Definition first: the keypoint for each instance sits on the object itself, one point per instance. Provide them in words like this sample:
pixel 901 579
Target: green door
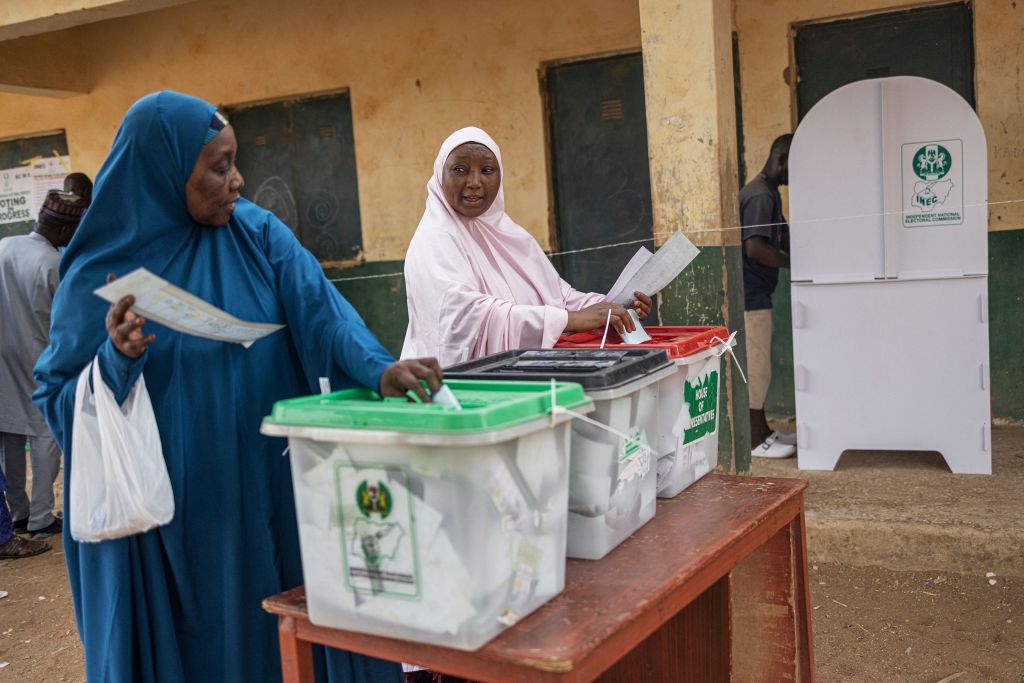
pixel 601 177
pixel 298 159
pixel 931 42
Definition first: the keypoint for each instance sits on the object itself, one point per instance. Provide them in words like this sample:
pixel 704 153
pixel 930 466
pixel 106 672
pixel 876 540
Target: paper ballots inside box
pixel 158 300
pixel 650 273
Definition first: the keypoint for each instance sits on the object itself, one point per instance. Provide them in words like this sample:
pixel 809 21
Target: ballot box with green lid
pixel 425 522
pixel 686 437
pixel 613 479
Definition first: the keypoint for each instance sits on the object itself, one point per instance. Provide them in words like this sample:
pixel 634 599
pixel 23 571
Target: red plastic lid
pixel 677 341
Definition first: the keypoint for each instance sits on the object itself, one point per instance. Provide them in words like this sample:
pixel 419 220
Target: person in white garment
pixel 477 283
pixel 28 280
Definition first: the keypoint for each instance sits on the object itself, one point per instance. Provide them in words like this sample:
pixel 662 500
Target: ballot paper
pixel 639 334
pixel 158 300
pixel 445 397
pixel 649 273
pixel 642 256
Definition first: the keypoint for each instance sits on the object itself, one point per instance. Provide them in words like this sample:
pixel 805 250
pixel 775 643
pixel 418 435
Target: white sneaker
pixel 773 448
pixel 788 438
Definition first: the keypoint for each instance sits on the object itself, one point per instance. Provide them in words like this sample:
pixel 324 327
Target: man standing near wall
pixel 765 250
pixel 28 280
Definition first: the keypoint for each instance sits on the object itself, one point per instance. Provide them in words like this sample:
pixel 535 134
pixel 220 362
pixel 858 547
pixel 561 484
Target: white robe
pixel 28 280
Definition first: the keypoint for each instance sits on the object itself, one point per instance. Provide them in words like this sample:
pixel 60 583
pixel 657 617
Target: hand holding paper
pixel 650 273
pixel 160 301
pixel 638 335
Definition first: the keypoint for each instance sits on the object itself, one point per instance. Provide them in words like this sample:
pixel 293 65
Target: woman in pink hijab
pixel 477 283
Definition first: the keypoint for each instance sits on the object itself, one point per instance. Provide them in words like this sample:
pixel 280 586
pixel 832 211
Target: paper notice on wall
pixel 16 195
pixel 47 174
pixel 653 273
pixel 158 300
pixel 23 188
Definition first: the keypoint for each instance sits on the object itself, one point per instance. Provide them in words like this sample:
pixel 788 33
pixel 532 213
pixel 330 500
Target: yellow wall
pixel 763 27
pixel 691 118
pixel 474 68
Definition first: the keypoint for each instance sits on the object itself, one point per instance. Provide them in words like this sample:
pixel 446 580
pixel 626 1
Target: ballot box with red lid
pixel 685 424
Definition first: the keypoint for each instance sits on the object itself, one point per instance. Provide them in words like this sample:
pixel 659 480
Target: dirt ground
pixel 870 624
pixel 38 640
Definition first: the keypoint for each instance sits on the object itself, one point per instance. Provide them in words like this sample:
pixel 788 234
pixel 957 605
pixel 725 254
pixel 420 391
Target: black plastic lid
pixel 595 369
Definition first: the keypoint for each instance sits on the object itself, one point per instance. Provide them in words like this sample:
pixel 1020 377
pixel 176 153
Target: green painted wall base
pixel 710 292
pixel 1006 330
pixel 379 299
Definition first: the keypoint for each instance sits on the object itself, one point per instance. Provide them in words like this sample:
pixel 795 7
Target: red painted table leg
pixel 771 613
pixel 296 655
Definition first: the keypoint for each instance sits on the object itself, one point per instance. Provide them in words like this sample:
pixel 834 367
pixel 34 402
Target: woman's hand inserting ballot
pixel 409 375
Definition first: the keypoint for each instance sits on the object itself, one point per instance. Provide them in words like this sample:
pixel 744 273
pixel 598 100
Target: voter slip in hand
pixel 638 335
pixel 158 300
pixel 650 273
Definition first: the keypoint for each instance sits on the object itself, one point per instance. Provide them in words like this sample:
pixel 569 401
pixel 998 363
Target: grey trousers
pixel 45 466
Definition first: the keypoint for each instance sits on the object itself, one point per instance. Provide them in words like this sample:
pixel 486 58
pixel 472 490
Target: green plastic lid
pixel 486 405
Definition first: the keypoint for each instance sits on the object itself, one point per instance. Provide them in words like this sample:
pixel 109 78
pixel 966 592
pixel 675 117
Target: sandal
pixel 18 548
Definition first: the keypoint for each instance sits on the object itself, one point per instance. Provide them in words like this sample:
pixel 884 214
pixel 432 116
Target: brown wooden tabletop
pixel 682 558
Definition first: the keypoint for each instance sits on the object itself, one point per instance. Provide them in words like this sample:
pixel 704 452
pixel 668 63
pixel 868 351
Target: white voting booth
pixel 888 184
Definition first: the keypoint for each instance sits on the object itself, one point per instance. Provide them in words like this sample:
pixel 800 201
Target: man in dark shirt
pixel 765 250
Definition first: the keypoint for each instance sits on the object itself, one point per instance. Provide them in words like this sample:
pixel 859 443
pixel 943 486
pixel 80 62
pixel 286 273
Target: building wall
pixel 416 72
pixel 769 110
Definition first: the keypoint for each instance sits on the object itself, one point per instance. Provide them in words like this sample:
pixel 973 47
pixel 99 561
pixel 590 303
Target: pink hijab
pixel 477 286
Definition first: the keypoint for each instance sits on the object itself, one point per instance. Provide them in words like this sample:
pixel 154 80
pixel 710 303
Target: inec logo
pixel 933 177
pixel 932 162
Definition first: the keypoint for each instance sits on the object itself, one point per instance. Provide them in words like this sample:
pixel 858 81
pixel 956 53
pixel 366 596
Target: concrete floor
pixel 906 511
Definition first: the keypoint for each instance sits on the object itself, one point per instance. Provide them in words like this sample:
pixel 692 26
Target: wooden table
pixel 714 588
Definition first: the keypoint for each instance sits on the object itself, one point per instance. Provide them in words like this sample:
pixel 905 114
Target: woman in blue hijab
pixel 182 602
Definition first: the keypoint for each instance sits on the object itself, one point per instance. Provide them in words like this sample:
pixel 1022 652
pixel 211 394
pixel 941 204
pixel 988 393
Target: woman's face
pixel 471 179
pixel 213 188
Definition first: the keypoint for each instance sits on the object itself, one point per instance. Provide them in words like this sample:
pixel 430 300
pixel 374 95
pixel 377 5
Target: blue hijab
pixel 182 602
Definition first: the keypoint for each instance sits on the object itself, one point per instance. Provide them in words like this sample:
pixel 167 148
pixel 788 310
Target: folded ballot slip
pixel 445 397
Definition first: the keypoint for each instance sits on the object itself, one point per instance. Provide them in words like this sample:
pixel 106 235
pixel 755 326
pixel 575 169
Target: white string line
pixel 667 233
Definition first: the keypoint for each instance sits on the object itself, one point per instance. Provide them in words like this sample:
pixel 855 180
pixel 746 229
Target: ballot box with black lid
pixel 613 474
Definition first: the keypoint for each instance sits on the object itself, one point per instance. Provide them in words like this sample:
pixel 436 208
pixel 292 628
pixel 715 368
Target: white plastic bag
pixel 119 482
